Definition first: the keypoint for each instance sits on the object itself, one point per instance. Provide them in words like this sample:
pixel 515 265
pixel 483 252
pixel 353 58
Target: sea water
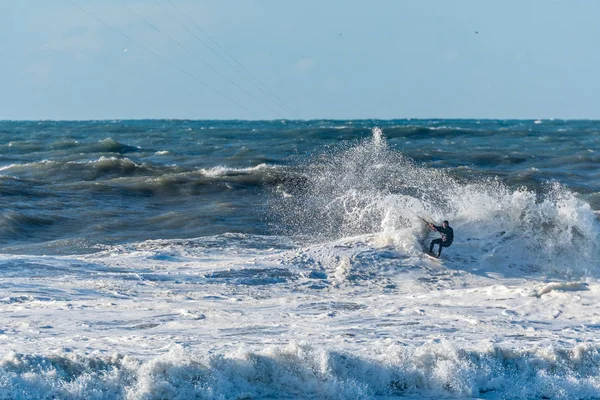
pixel 284 259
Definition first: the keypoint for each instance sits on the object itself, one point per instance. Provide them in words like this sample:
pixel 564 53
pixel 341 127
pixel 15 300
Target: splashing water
pixel 369 188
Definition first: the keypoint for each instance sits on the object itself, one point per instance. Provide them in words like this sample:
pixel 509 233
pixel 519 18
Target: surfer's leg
pixel 436 241
pixel 442 244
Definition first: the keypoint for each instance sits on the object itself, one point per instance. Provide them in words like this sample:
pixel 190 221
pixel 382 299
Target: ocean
pixel 174 259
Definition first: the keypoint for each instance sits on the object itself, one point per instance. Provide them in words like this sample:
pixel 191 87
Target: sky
pixel 309 59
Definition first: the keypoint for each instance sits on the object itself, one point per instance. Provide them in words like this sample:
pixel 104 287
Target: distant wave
pixel 101 168
pixel 107 145
pixel 121 167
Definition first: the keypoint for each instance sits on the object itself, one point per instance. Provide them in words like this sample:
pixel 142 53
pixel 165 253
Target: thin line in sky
pixel 91 14
pixel 233 66
pixel 281 102
pixel 196 56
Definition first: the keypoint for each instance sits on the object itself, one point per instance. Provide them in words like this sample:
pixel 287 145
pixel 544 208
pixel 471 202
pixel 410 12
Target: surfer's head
pixel 445 224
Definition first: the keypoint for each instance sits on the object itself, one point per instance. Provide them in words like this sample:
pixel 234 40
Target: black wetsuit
pixel 445 240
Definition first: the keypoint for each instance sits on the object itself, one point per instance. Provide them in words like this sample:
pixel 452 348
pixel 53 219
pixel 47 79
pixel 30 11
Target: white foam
pixel 218 171
pixel 374 322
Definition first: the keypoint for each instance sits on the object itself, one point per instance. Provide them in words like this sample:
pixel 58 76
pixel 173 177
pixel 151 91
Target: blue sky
pixel 336 59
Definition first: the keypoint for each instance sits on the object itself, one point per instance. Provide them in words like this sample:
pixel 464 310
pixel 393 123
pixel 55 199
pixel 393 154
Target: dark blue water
pixel 68 187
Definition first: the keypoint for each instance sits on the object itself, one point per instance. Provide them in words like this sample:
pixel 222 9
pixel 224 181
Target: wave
pixel 63 171
pixel 15 225
pixel 107 145
pixel 370 188
pixel 436 369
pixel 110 145
pixel 174 182
pixel 107 168
pixel 106 165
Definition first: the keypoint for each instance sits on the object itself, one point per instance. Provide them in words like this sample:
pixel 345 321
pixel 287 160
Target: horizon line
pixel 293 119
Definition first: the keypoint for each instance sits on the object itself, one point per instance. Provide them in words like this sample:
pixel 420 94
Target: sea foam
pixel 300 371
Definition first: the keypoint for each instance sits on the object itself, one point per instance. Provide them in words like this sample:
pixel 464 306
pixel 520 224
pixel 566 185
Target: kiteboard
pixel 431 255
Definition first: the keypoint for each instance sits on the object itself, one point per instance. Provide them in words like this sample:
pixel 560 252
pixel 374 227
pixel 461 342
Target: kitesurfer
pixel 447 236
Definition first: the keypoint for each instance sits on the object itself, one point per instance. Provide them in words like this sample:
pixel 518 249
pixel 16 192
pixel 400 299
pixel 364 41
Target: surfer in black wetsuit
pixel 447 236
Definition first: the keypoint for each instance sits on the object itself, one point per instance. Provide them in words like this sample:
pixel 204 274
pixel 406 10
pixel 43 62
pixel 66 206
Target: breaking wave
pixel 436 369
pixel 371 188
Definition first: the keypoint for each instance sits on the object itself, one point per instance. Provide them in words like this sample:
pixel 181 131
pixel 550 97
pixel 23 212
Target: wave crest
pixel 436 369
